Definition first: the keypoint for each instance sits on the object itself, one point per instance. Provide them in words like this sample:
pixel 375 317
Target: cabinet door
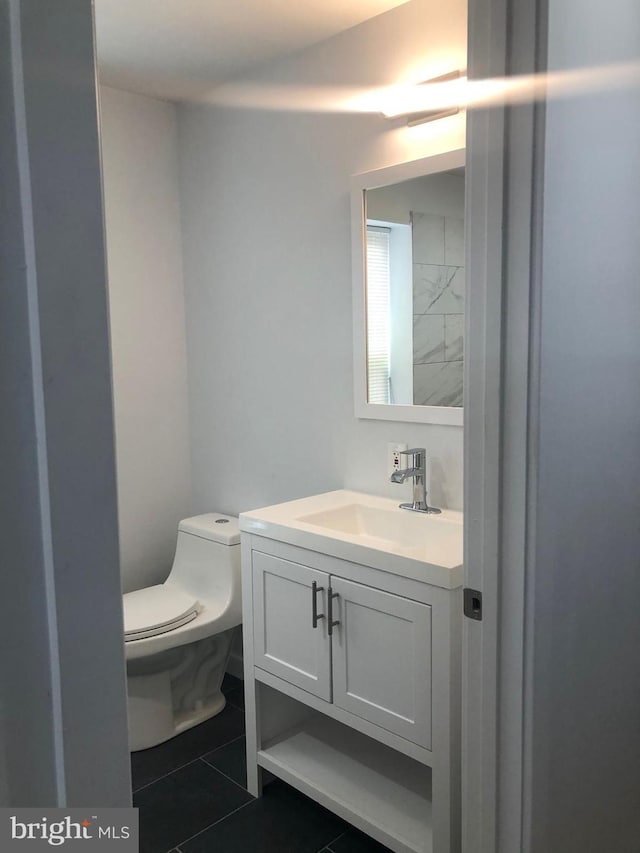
pixel 285 642
pixel 382 659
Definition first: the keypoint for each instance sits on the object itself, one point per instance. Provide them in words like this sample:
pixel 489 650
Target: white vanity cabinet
pixel 352 677
pixel 285 643
pixel 365 650
pixel 381 655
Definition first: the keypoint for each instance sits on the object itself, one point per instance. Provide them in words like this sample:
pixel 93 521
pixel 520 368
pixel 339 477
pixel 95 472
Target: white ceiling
pixel 177 49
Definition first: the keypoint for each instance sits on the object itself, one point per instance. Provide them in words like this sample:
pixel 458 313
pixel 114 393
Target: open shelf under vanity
pixel 375 788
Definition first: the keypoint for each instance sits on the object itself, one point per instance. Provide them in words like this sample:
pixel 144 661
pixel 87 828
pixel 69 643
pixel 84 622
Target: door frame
pixel 503 243
pixel 65 704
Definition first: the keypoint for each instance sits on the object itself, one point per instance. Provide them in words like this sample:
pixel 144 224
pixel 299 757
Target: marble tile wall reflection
pixel 438 384
pixel 438 309
pixel 453 337
pixel 438 289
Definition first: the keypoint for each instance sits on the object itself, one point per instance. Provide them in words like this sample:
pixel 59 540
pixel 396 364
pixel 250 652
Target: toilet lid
pixel 157 610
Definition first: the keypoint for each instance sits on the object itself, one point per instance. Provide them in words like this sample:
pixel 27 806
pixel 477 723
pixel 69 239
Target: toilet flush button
pixel 221 521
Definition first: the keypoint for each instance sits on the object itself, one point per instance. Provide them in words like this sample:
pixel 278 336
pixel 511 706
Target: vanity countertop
pixel 369 530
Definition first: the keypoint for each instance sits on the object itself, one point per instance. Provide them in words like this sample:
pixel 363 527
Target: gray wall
pixel 146 308
pixel 65 710
pixel 266 231
pixel 27 764
pixel 586 689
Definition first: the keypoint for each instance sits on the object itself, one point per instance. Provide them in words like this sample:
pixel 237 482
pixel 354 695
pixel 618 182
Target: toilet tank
pixel 207 559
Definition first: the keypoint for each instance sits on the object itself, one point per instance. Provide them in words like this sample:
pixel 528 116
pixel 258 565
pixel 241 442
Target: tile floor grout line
pixel 164 776
pixel 217 769
pixel 186 764
pixel 216 822
pixel 222 746
pixel 329 843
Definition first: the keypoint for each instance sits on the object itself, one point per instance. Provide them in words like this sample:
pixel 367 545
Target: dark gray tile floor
pixel 192 798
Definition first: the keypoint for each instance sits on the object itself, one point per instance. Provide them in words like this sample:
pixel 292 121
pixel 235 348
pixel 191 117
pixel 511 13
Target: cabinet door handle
pixel 315 616
pixel 332 623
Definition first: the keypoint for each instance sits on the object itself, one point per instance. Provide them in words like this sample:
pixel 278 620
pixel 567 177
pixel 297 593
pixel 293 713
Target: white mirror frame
pixel 452 416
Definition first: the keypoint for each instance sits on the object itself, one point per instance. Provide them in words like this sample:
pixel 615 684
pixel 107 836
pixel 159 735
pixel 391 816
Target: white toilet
pixel 178 634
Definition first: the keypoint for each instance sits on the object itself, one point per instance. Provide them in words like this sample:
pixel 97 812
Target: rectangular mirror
pixel 409 290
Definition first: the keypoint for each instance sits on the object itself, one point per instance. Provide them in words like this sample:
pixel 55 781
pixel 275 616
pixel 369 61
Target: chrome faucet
pixel 417 471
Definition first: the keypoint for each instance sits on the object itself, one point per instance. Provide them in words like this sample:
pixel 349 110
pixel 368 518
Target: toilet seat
pixel 157 610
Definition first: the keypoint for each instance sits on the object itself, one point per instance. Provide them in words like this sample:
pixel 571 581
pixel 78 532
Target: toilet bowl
pixel 178 634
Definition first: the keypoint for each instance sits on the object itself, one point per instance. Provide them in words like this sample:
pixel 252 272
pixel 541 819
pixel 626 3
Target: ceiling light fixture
pixel 427 101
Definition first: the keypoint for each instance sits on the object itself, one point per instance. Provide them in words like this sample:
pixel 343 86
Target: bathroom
pixel 214 300
pixel 231 312
pixel 223 362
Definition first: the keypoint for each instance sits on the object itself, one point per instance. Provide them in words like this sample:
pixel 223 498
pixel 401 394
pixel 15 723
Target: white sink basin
pixel 406 531
pixel 369 530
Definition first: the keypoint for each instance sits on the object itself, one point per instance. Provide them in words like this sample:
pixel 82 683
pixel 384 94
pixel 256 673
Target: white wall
pixel 146 301
pixel 441 194
pixel 266 224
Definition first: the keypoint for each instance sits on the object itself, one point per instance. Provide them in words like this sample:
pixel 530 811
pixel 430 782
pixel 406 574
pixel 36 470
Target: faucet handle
pixel 419 458
pixel 418 453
